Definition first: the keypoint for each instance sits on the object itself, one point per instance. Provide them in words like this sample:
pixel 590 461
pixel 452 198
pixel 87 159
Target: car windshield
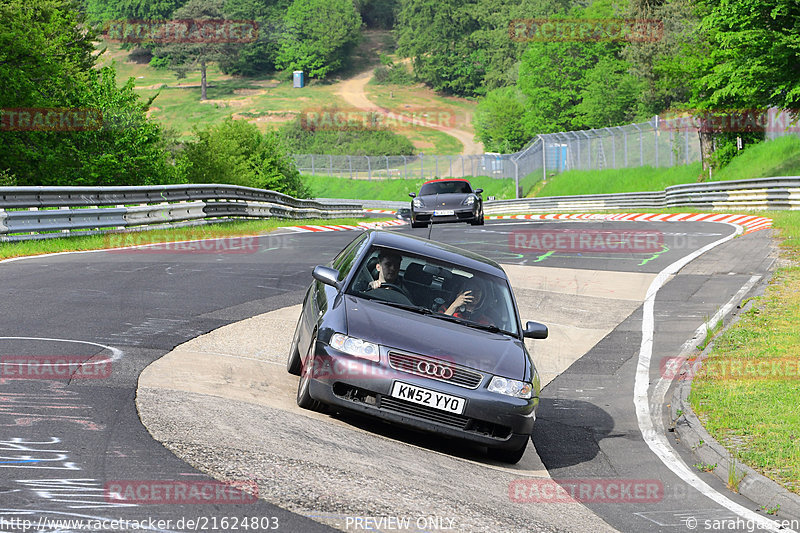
pixel 445 187
pixel 439 289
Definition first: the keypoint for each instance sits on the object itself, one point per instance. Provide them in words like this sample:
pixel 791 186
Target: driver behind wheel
pixel 388 268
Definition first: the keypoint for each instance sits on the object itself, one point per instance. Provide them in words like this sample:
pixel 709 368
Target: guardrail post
pixel 516 178
pixel 462 165
pixel 350 162
pixel 388 174
pixel 436 175
pixel 312 164
pixel 369 169
pixel 421 166
pixel 405 168
pixel 330 159
pixel 450 157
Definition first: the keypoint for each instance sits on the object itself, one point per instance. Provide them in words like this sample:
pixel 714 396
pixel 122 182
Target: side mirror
pixel 326 275
pixel 412 194
pixel 535 330
pixel 478 191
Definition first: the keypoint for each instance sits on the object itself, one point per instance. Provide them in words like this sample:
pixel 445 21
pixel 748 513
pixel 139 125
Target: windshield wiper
pixel 408 307
pixel 471 324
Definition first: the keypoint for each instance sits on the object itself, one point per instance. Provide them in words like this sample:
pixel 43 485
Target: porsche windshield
pixel 445 187
pixel 435 288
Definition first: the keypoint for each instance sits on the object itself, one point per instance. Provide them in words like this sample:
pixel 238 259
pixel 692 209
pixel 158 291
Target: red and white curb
pixel 387 211
pixel 345 227
pixel 749 223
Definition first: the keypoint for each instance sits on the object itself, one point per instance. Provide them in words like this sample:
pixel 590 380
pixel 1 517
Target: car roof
pixel 436 250
pixel 445 179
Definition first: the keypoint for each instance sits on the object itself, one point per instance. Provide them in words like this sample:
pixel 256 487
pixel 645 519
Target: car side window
pixel 344 261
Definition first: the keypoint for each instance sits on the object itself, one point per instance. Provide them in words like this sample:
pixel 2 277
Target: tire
pixel 511 456
pixel 293 363
pixel 304 399
pixel 477 221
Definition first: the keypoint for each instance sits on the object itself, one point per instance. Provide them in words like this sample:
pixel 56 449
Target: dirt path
pixel 352 91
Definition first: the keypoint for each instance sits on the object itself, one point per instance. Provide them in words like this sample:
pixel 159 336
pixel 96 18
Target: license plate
pixel 427 397
pixel 443 212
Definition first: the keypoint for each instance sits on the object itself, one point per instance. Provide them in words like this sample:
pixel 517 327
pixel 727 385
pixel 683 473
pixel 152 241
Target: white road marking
pixel 116 353
pixel 651 432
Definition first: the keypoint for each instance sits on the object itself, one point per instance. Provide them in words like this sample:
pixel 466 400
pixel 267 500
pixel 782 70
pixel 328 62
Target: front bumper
pixel 462 214
pixel 355 384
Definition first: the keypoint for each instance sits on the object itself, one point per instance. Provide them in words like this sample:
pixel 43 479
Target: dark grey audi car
pixel 446 200
pixel 421 334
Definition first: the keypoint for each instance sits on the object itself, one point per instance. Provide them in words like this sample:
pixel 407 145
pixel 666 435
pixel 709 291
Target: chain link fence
pixel 659 142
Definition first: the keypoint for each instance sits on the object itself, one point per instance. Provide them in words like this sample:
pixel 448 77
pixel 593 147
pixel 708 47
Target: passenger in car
pixel 469 303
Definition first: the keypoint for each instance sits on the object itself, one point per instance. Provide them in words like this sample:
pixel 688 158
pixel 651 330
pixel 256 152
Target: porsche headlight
pixel 469 200
pixel 418 203
pixel 355 347
pixel 511 387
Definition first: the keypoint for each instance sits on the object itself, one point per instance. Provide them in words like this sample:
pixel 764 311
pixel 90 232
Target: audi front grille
pixel 435 369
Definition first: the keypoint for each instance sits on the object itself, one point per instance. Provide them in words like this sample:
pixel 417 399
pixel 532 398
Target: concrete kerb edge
pixel 698 441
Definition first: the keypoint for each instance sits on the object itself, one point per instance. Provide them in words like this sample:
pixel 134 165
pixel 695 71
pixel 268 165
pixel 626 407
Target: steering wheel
pixel 391 286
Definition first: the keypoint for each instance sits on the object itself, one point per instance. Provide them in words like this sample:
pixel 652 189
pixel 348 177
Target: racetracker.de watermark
pixel 729 368
pixel 190 242
pixel 53 367
pixel 580 30
pixel 586 491
pixel 358 119
pixel 180 492
pixel 180 31
pixel 586 241
pixel 731 121
pixel 50 119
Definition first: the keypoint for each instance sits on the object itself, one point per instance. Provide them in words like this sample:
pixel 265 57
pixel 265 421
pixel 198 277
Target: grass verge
pixel 395 189
pixel 116 240
pixel 753 412
pixel 780 157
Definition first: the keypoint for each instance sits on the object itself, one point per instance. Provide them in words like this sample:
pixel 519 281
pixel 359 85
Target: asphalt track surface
pixel 63 442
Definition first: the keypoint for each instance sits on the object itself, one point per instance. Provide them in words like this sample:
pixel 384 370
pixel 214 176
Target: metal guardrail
pixel 761 193
pixel 28 213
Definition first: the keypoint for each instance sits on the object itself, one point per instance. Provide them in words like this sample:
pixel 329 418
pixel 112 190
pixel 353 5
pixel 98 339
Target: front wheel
pixel 478 221
pixel 304 399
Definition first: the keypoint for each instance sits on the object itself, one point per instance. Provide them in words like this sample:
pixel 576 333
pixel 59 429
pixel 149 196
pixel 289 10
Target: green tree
pixel 755 53
pixel 189 56
pixel 46 63
pixel 318 36
pixel 99 11
pixel 256 57
pixel 436 34
pixel 498 121
pixel 610 95
pixel 235 152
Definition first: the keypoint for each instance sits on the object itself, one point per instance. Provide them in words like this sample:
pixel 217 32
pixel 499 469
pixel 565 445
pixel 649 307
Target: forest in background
pixel 711 56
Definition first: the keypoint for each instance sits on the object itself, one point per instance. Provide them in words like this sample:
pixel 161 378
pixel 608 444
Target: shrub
pixel 236 152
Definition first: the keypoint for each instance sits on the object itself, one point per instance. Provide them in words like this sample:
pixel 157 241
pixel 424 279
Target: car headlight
pixel 355 347
pixel 417 203
pixel 511 387
pixel 469 200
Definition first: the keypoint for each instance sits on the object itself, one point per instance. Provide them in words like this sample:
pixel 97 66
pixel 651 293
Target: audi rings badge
pixel 434 370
